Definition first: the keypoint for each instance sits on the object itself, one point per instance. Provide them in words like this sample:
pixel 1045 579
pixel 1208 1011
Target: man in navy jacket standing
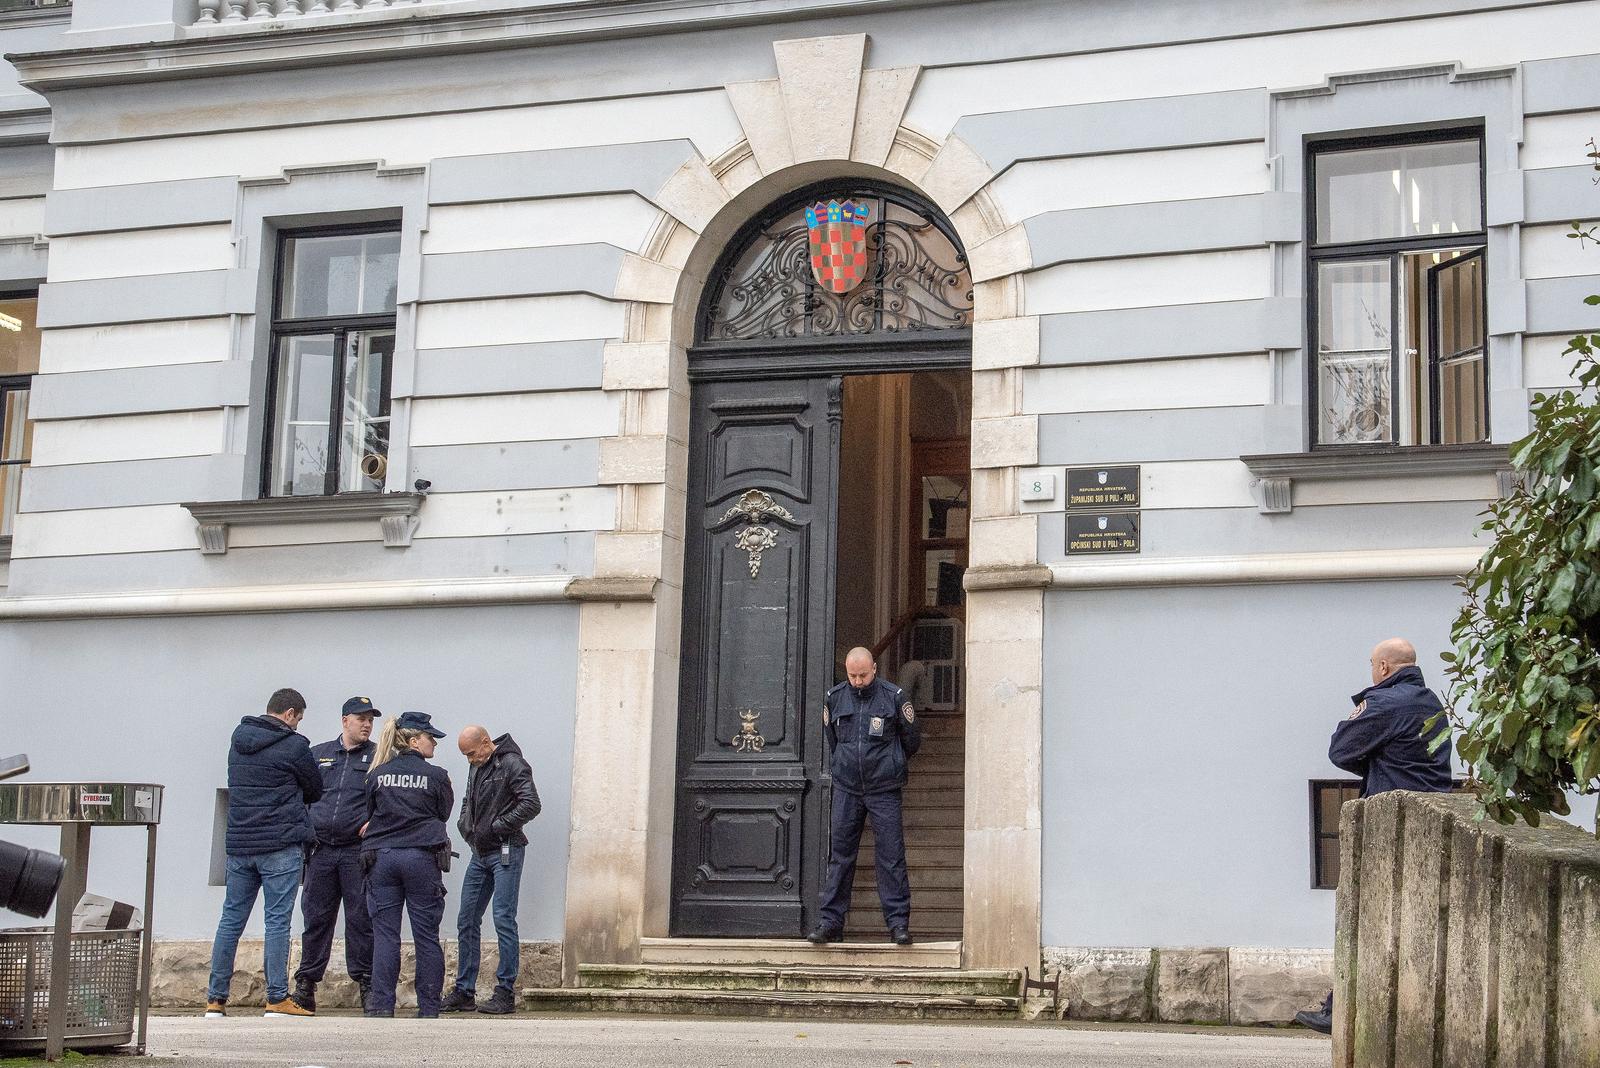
pixel 1385 741
pixel 872 731
pixel 271 778
pixel 333 871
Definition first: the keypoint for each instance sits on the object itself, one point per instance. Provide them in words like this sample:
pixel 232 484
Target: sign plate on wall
pixel 1103 532
pixel 1103 487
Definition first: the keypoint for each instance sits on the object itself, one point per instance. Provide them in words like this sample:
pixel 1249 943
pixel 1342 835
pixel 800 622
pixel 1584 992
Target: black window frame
pixel 340 326
pixel 12 383
pixel 1476 241
pixel 1319 834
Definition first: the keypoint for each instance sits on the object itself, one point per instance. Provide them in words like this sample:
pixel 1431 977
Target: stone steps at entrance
pixel 922 982
pixel 772 1004
pixel 864 892
pixel 923 877
pixel 797 953
pixel 927 921
pixel 781 978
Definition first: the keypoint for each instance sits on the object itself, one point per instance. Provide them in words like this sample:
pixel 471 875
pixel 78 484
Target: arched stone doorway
pixel 828 452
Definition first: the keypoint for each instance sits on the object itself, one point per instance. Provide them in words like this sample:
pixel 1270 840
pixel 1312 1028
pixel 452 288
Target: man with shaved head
pixel 872 731
pixel 499 800
pixel 1385 741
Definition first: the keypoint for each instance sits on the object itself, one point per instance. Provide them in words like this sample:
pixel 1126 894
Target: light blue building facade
pixel 405 349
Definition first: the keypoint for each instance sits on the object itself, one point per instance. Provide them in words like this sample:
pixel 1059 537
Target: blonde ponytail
pixel 392 741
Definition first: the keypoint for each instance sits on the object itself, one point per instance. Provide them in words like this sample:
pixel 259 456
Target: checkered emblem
pixel 838 244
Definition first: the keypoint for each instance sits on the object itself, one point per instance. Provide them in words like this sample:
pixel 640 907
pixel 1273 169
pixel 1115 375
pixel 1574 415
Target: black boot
pixel 458 1000
pixel 821 935
pixel 366 990
pixel 305 994
pixel 501 1003
pixel 1318 1021
pixel 900 936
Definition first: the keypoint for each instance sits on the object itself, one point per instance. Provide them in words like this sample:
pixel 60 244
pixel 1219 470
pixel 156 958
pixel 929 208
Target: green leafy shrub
pixel 1525 672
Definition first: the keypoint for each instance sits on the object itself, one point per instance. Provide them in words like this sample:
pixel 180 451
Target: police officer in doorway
pixel 405 848
pixel 333 871
pixel 872 731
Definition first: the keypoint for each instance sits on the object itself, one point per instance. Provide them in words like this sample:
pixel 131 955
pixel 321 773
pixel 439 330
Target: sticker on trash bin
pixel 85 799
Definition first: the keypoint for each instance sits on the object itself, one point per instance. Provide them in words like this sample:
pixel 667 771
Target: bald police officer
pixel 872 732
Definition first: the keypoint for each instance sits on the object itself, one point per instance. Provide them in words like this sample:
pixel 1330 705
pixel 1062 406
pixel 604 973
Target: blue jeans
pixel 487 878
pixel 277 876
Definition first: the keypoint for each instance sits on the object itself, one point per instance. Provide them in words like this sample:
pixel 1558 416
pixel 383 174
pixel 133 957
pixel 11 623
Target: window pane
pixel 1463 392
pixel 350 275
pixel 1399 191
pixel 303 403
pixel 364 439
pixel 15 443
pixel 1354 352
pixel 19 337
pixel 1328 863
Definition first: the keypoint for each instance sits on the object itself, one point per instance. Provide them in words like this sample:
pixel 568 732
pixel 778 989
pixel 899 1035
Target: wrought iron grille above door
pixel 916 278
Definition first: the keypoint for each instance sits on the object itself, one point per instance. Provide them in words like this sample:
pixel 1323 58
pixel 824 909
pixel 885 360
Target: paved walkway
pixel 655 1042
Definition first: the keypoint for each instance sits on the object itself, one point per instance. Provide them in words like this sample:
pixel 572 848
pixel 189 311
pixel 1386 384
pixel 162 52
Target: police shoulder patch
pixel 1362 707
pixel 825 715
pixel 908 712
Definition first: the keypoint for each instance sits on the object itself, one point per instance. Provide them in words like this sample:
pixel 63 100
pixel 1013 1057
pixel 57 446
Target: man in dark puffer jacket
pixel 272 776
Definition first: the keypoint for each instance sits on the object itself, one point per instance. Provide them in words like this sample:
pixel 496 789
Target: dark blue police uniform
pixel 873 734
pixel 333 871
pixel 1384 743
pixel 408 803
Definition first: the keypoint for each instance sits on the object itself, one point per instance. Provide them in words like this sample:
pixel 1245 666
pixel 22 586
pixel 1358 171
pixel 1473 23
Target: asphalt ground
pixel 538 1041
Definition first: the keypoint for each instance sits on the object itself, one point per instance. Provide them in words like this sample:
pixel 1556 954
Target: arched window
pixel 915 276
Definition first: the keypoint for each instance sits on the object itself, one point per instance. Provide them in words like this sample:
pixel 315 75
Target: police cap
pixel 418 721
pixel 359 706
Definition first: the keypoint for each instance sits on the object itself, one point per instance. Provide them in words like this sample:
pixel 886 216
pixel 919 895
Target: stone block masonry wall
pixel 180 970
pixel 1462 943
pixel 1190 985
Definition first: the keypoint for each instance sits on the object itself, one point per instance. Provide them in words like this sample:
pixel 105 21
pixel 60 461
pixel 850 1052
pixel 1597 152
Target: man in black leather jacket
pixel 499 800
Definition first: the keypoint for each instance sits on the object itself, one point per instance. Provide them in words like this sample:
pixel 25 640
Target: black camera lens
pixel 29 879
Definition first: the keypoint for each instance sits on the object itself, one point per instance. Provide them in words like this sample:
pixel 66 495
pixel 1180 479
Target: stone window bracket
pixel 1276 473
pixel 396 514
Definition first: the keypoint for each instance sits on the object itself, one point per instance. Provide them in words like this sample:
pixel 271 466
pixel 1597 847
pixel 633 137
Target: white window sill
pixel 396 514
pixel 1276 473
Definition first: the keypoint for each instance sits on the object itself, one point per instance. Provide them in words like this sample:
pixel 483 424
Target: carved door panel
pixel 751 826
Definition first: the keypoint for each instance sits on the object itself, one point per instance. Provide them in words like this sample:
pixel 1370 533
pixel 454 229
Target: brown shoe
pixel 216 1010
pixel 286 1007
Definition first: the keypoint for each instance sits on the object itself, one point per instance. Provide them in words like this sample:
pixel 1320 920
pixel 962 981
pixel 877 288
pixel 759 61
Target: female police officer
pixel 404 849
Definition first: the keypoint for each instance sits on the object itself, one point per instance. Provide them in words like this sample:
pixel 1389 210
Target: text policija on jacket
pixel 500 799
pixel 408 803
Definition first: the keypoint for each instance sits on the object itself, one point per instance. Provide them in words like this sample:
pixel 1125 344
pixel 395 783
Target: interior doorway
pixel 904 502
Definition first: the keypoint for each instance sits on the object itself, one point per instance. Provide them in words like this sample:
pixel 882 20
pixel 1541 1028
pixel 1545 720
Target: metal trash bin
pixel 102 988
pixel 78 989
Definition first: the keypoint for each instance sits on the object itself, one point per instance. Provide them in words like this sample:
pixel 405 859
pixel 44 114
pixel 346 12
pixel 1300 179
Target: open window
pixel 1398 311
pixel 332 358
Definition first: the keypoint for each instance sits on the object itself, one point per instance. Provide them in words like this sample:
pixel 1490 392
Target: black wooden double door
pixel 750 834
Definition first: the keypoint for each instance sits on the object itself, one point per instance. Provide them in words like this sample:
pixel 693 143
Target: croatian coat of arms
pixel 838 244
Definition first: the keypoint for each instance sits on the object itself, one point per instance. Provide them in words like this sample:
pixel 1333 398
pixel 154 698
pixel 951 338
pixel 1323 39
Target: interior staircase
pixel 934 816
pixel 782 978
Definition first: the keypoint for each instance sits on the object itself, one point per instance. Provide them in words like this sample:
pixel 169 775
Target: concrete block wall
pixel 1463 943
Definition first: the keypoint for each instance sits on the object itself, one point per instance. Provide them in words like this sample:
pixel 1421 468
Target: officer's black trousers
pixel 408 877
pixel 850 813
pixel 334 877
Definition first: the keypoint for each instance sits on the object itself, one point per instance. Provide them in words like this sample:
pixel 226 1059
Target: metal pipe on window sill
pixel 533 589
